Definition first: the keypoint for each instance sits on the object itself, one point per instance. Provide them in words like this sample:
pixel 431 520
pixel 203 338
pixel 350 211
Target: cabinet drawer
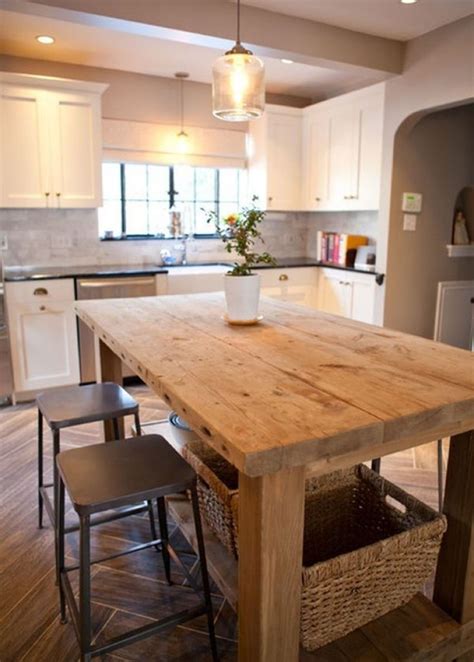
pixel 40 291
pixel 293 276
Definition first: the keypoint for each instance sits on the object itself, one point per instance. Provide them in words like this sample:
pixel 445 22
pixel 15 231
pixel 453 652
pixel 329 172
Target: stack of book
pixel 337 248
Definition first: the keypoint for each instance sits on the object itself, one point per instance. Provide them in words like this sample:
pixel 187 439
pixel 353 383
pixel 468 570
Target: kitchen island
pixel 304 393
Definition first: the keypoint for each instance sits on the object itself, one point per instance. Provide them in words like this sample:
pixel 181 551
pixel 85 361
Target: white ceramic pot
pixel 242 295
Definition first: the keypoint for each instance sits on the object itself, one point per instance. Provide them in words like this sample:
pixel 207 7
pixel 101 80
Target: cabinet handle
pixel 40 292
pixel 283 277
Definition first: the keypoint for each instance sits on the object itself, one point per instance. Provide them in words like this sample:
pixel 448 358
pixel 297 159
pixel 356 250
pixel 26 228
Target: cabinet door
pixel 44 345
pixel 362 299
pixel 284 162
pixel 335 294
pixel 316 162
pixel 365 187
pixel 343 143
pixel 76 149
pixel 24 148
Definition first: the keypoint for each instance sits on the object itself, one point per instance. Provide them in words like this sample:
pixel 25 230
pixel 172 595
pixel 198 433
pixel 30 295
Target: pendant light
pixel 182 137
pixel 238 87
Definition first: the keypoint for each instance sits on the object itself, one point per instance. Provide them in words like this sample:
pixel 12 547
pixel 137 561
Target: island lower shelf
pixel 417 632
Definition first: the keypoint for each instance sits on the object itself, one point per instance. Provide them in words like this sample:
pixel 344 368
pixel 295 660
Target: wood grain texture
pixel 271 520
pixel 302 387
pixel 111 371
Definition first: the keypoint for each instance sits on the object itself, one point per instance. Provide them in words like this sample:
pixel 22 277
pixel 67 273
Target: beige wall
pixel 438 73
pixel 434 158
pixel 139 97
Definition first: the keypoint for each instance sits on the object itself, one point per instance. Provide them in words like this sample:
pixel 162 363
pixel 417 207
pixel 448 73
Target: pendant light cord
pixel 238 21
pixel 182 104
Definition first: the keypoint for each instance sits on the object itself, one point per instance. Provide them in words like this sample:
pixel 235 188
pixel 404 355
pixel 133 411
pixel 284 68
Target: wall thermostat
pixel 412 202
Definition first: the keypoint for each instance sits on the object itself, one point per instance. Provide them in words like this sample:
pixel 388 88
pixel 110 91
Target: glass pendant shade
pixel 182 140
pixel 238 88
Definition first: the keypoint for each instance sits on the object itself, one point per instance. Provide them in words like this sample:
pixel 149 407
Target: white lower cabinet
pixel 43 334
pixel 346 293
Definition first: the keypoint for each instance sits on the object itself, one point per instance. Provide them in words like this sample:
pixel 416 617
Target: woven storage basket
pixel 217 487
pixel 362 556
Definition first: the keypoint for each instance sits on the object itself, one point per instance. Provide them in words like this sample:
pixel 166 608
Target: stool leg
pixel 138 426
pixel 61 564
pixel 151 515
pixel 204 575
pixel 376 465
pixel 116 429
pixel 56 445
pixel 440 475
pixel 85 588
pixel 40 469
pixel 164 537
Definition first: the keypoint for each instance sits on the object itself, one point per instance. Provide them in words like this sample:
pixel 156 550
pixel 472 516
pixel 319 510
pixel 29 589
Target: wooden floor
pixel 128 592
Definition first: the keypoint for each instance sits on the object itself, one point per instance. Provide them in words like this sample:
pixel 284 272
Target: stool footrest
pixel 130 550
pixel 133 635
pixel 145 631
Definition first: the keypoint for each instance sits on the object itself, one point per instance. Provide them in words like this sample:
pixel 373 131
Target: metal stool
pixel 113 475
pixel 377 463
pixel 76 405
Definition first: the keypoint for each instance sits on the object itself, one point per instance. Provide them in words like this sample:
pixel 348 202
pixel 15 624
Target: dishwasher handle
pixel 113 282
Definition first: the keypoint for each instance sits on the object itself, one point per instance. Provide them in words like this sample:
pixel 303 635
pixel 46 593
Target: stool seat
pixel 76 405
pixel 115 474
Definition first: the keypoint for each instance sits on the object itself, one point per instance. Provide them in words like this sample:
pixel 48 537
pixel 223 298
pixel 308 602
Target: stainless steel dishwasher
pixel 107 288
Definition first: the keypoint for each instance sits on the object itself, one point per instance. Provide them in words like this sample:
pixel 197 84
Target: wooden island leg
pixel 454 584
pixel 271 522
pixel 111 371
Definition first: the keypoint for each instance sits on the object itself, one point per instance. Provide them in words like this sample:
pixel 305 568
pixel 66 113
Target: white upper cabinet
pixel 25 161
pixel 342 151
pixel 275 159
pixel 50 143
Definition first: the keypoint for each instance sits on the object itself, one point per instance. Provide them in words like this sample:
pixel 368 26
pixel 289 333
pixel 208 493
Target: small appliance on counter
pixel 365 258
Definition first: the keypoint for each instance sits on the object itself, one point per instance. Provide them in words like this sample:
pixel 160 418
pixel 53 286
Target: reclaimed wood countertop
pixel 301 387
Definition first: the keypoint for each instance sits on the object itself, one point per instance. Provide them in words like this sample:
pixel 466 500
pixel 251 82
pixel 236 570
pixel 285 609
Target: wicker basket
pixel 217 487
pixel 368 548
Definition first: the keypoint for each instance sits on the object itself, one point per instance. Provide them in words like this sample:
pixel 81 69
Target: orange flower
pixel 231 219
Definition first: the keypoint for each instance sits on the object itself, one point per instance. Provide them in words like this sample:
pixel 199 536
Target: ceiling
pixel 100 47
pixel 385 18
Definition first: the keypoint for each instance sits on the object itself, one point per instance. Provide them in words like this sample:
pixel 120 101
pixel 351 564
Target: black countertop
pixel 110 270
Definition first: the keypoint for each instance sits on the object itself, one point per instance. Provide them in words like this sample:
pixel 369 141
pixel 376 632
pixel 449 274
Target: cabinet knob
pixel 42 308
pixel 270 199
pixel 318 199
pixel 47 194
pixel 40 292
pixel 58 195
pixel 347 197
pixel 283 277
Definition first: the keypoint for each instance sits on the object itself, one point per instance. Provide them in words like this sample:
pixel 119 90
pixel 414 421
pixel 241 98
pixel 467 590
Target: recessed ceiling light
pixel 45 39
pixel 286 61
pixel 408 2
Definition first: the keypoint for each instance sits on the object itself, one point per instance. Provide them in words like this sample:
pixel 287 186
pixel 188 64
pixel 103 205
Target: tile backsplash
pixel 42 237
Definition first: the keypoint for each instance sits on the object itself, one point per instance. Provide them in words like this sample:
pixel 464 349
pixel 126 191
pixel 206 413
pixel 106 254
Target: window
pixel 137 198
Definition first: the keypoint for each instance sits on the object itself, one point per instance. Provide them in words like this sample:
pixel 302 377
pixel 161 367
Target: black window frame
pixel 172 195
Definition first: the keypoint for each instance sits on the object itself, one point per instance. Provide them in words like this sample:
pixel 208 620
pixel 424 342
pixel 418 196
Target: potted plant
pixel 240 232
